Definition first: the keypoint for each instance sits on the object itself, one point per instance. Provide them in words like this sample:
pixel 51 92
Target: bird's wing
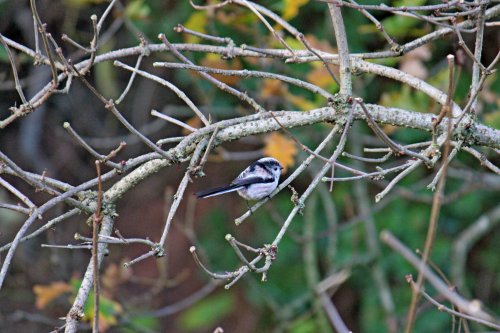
pixel 251 180
pixel 257 169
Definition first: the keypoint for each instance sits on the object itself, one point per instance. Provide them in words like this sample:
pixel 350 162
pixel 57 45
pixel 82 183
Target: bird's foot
pixel 249 207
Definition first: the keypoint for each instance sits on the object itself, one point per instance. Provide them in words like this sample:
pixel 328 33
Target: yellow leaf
pixel 300 102
pixel 291 8
pixel 137 10
pixel 215 61
pixel 238 20
pixel 47 293
pixel 272 88
pixel 292 42
pixel 281 148
pixel 82 3
pixel 389 129
pixel 109 311
pixel 197 22
pixel 320 77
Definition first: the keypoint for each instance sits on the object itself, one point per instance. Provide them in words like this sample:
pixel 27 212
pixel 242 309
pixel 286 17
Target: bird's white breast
pixel 257 191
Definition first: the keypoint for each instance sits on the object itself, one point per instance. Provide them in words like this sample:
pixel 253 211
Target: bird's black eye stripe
pixel 266 165
pixel 275 165
pixel 258 164
pixel 271 163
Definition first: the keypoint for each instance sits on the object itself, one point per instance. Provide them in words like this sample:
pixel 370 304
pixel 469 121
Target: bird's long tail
pixel 217 191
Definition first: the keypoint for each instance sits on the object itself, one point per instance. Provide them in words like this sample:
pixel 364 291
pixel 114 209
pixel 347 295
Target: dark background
pixel 286 302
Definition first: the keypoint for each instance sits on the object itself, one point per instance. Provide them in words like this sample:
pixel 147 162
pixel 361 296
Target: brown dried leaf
pixel 193 122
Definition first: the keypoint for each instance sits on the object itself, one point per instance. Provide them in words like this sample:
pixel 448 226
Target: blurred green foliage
pixel 207 313
pixel 286 302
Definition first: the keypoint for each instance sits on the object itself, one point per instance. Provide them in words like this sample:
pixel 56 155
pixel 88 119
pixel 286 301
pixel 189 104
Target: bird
pixel 256 182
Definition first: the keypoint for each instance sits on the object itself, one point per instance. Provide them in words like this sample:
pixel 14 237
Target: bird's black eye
pixel 275 168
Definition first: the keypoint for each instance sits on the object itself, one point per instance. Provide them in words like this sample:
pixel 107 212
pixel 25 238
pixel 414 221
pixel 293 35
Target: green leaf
pixel 108 310
pixel 4 57
pixel 138 10
pixel 142 323
pixel 105 73
pixel 292 8
pixel 492 119
pixel 405 98
pixel 401 26
pixel 207 312
pixel 196 22
pixel 304 325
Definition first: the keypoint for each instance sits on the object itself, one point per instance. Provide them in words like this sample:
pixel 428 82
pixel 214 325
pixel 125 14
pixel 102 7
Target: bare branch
pixel 472 308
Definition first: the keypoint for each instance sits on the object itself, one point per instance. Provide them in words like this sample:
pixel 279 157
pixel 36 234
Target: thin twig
pixel 110 105
pixel 394 46
pixel 96 219
pixel 409 167
pixel 245 73
pixel 367 159
pixel 219 84
pixel 253 8
pixel 169 85
pixel 343 50
pixel 378 175
pixel 439 174
pixel 342 141
pixel 464 46
pixel 447 5
pixel 482 159
pixel 18 194
pixel 159 248
pixel 16 208
pixel 472 308
pixel 218 276
pixel 114 240
pixel 131 80
pixel 333 314
pixel 209 6
pixel 207 150
pixel 102 158
pixel 234 245
pixel 396 148
pixel 388 150
pixel 464 242
pixel 304 41
pixel 442 307
pixel 182 188
pixel 436 200
pixel 173 120
pixel 179 28
pixel 14 71
pixel 43 32
pixel 45 227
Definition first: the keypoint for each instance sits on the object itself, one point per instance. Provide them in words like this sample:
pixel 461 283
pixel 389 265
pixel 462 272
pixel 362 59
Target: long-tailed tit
pixel 256 182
